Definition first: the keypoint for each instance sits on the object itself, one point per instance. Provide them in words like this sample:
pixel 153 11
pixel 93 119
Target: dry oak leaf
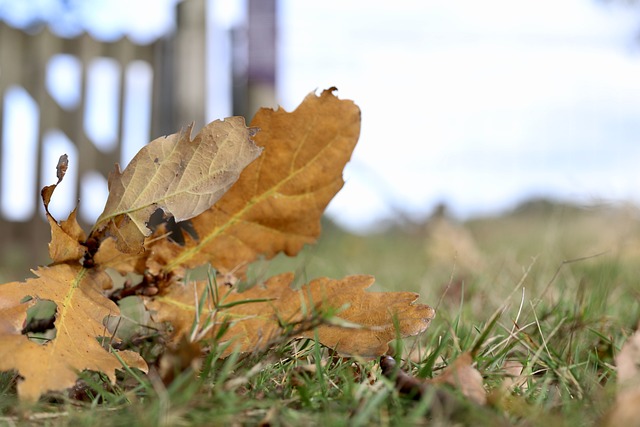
pixel 628 363
pixel 626 411
pixel 12 316
pixel 61 170
pixel 182 176
pixel 81 310
pixel 277 203
pixel 367 322
pixel 65 243
pixel 460 374
pixel 108 256
pixel 463 376
pixel 65 237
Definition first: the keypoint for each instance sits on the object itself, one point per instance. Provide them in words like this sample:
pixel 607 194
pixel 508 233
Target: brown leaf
pixel 65 237
pixel 184 177
pixel 442 402
pixel 367 320
pixel 463 376
pixel 12 316
pixel 626 411
pixel 628 362
pixel 108 256
pixel 71 227
pixel 62 166
pixel 81 310
pixel 61 170
pixel 65 243
pixel 277 203
pixel 513 377
pixel 405 383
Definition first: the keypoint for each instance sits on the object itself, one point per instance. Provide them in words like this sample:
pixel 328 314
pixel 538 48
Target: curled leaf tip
pixel 61 168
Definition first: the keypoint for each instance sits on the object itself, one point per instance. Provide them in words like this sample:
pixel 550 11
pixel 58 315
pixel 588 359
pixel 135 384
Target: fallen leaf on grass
pixel 367 320
pixel 626 410
pixel 628 363
pixel 463 376
pixel 184 177
pixel 405 384
pixel 513 377
pixel 81 310
pixel 460 374
pixel 277 203
pixel 275 206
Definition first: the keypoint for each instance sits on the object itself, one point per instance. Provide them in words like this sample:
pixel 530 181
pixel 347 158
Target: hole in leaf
pixel 8 383
pixel 39 326
pixel 134 319
pixel 177 230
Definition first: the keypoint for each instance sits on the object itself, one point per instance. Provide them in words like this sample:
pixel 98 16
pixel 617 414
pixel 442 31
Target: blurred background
pixel 469 108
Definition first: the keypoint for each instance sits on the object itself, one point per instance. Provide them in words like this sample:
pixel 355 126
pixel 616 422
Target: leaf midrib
pixel 189 252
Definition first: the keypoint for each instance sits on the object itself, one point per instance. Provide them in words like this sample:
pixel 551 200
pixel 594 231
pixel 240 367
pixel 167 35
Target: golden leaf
pixel 65 237
pixel 108 256
pixel 366 321
pixel 12 316
pixel 277 203
pixel 65 243
pixel 81 310
pixel 184 177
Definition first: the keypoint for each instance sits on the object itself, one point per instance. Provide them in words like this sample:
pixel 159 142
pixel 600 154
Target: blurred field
pixel 485 257
pixel 479 261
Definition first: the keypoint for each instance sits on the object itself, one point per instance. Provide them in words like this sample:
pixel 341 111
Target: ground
pixel 543 296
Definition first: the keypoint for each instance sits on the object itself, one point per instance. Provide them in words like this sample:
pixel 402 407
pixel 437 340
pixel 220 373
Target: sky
pixel 479 105
pixel 476 104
